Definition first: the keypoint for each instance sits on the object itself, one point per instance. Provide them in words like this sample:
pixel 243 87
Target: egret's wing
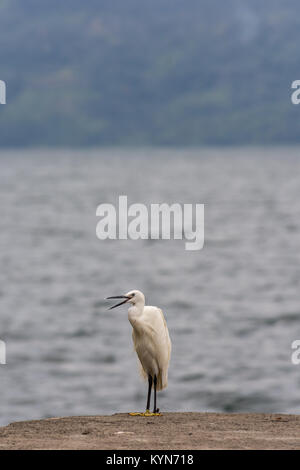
pixel 168 340
pixel 135 339
pixel 152 344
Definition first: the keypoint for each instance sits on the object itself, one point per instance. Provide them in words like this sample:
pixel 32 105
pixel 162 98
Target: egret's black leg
pixel 149 391
pixel 155 410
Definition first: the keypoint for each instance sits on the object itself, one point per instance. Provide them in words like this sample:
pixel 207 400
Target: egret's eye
pixel 132 295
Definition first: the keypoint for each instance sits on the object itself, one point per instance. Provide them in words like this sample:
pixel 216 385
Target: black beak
pixel 118 297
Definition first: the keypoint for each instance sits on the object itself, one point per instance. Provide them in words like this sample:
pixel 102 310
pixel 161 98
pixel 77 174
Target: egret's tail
pixel 162 378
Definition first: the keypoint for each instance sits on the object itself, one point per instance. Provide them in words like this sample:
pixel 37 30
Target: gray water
pixel 233 309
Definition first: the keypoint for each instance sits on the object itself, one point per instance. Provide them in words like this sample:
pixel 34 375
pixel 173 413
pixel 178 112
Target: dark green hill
pixel 136 72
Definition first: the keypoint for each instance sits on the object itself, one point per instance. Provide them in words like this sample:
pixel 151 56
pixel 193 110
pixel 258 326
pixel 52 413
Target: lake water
pixel 233 309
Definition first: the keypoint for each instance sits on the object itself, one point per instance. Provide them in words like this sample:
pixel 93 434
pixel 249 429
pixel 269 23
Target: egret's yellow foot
pixel 152 414
pixel 146 414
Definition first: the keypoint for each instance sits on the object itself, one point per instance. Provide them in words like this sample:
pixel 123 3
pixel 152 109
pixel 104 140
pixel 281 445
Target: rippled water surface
pixel 233 309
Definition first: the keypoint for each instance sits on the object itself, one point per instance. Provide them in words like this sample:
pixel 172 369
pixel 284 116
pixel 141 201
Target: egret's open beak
pixel 118 297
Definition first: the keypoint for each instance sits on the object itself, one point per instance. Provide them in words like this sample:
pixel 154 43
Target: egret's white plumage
pixel 151 340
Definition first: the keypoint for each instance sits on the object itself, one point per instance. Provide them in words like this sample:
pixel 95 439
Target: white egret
pixel 151 342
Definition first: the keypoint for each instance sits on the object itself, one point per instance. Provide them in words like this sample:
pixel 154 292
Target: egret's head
pixel 135 296
pixel 132 297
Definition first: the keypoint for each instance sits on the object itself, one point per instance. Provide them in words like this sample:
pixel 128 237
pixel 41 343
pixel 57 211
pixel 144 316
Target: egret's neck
pixel 135 312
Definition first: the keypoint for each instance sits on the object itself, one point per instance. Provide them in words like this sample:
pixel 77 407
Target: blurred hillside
pixel 138 72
